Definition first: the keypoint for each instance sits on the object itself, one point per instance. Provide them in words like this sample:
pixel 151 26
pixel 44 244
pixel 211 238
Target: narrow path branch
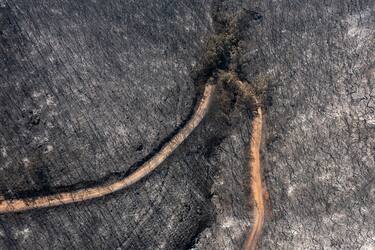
pixel 256 181
pixel 254 163
pixel 17 205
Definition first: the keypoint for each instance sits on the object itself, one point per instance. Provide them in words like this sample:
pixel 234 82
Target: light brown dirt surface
pixel 256 182
pixel 257 187
pixel 17 205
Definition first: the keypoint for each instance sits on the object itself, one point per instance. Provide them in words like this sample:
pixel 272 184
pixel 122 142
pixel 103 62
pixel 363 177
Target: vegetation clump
pixel 220 64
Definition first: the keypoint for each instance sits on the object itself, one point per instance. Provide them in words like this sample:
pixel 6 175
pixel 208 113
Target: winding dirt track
pixel 256 181
pixel 17 205
pixel 254 166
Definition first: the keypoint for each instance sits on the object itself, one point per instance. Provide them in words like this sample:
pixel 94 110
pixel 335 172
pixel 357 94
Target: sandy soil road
pixel 17 205
pixel 257 187
pixel 256 182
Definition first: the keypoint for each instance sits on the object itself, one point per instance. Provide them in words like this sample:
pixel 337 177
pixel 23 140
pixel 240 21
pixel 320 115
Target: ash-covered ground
pixel 90 89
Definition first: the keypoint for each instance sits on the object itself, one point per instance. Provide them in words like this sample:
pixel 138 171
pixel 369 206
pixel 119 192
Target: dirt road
pixel 256 181
pixel 256 187
pixel 17 205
